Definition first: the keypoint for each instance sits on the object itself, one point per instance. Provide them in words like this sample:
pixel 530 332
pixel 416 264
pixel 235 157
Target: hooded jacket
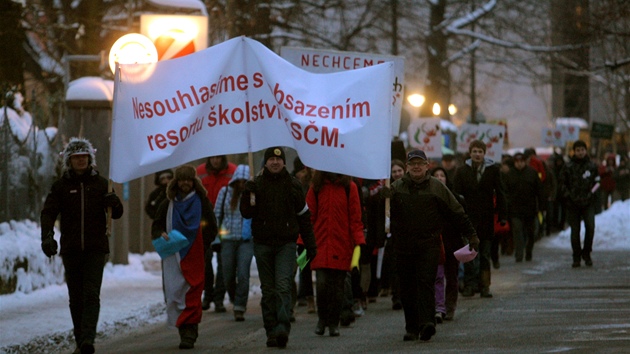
pixel 213 180
pixel 80 200
pixel 208 224
pixel 232 226
pixel 336 219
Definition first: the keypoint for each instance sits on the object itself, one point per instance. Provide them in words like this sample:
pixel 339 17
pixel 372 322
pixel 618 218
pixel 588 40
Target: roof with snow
pixel 90 91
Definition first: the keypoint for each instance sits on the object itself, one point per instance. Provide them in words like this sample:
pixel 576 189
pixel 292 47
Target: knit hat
pixel 78 146
pixel 275 151
pixel 579 143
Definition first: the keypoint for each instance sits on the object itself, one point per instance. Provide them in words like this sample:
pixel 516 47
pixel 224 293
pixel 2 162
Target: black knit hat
pixel 579 143
pixel 275 151
pixel 78 146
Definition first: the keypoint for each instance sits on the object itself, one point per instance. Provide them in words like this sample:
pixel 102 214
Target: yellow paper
pixel 355 257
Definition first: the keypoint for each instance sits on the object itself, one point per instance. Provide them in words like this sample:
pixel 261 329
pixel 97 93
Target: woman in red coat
pixel 333 200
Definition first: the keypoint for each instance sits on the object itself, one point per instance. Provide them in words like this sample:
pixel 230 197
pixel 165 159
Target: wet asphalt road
pixel 542 306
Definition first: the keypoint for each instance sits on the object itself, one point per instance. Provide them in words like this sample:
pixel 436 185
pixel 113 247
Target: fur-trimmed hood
pixel 185 172
pixel 78 146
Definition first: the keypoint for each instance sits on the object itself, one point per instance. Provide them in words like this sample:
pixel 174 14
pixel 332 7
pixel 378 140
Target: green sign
pixel 602 131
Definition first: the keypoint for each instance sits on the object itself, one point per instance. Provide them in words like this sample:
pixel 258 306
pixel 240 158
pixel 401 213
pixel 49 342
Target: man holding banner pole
pixel 279 214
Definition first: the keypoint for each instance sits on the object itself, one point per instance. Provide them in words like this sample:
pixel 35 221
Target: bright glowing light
pixel 436 109
pixel 452 109
pixel 132 48
pixel 415 100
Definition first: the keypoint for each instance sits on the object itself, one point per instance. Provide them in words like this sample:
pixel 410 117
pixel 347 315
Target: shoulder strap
pixel 222 215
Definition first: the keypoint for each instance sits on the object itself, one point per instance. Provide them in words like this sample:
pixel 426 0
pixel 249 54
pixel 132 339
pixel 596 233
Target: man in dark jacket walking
pixel 579 181
pixel 479 182
pixel 525 198
pixel 82 198
pixel 275 202
pixel 420 206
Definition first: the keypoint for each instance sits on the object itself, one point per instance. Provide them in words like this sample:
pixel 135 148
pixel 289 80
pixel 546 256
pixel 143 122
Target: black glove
pixel 385 192
pixel 111 200
pixel 311 253
pixel 49 245
pixel 502 222
pixel 216 247
pixel 473 243
pixel 250 187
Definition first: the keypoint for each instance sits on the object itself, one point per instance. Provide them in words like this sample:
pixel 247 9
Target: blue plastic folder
pixel 176 241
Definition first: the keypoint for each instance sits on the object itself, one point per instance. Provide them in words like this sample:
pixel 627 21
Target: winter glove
pixel 111 200
pixel 385 192
pixel 250 187
pixel 49 245
pixel 473 243
pixel 502 222
pixel 311 253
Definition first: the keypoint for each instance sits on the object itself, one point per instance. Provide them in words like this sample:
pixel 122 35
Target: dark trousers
pixel 524 235
pixel 215 291
pixel 84 275
pixel 416 273
pixel 574 217
pixel 451 270
pixel 480 276
pixel 330 295
pixel 305 288
pixel 276 270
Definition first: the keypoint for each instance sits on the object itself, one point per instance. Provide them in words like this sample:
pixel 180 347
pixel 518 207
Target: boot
pixel 188 336
pixel 310 305
pixel 485 284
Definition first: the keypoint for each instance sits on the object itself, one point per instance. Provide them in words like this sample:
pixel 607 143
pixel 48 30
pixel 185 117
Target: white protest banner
pixel 493 135
pixel 426 134
pixel 329 61
pixel 239 96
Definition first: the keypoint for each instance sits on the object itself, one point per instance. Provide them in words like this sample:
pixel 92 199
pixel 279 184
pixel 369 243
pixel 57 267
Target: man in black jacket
pixel 525 198
pixel 276 204
pixel 579 181
pixel 420 206
pixel 478 180
pixel 82 198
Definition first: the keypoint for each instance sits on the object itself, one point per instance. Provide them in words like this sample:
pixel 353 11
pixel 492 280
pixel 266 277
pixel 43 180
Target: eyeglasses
pixel 417 163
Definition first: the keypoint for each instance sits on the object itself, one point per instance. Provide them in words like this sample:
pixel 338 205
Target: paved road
pixel 543 306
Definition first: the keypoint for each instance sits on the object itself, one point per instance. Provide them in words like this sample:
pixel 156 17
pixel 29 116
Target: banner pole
pixel 250 160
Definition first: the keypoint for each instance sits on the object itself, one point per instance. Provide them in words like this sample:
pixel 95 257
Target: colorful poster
pixel 426 134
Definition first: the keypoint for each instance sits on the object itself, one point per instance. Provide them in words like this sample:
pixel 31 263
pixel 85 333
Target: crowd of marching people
pixel 363 239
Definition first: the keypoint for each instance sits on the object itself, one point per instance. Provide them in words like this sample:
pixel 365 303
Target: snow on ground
pixel 36 318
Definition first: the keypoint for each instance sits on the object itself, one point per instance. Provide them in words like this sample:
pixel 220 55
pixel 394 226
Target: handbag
pixel 176 241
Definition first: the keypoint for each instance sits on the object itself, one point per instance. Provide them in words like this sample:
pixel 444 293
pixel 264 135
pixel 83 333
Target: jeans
pixel 477 272
pixel 524 236
pixel 276 267
pixel 330 295
pixel 416 273
pixel 84 275
pixel 236 256
pixel 575 215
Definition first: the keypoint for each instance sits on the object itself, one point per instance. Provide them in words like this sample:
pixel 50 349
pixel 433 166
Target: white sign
pixel 239 96
pixel 328 61
pixel 426 134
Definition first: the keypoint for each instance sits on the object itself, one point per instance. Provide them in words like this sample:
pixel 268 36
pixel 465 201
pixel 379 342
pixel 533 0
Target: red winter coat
pixel 213 181
pixel 336 219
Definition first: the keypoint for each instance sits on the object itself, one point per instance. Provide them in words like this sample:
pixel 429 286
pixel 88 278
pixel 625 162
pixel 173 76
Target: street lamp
pixel 416 100
pixel 452 109
pixel 436 109
pixel 132 48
